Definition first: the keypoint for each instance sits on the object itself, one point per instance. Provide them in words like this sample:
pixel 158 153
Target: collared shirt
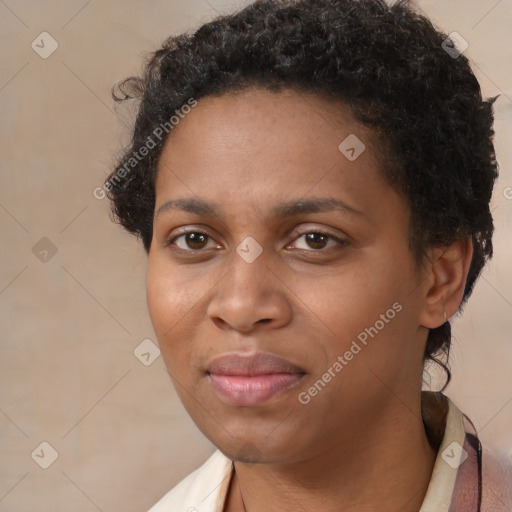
pixel 455 484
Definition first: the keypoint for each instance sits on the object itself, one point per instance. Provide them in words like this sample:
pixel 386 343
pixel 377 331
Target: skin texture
pixel 303 301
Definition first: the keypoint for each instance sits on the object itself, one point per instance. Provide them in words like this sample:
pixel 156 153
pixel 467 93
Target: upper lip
pixel 250 365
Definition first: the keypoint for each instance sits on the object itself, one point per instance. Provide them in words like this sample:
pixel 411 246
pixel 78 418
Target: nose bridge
pixel 249 266
pixel 250 291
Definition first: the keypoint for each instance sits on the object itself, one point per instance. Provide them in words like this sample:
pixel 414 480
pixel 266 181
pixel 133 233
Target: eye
pixel 192 240
pixel 317 240
pixel 195 241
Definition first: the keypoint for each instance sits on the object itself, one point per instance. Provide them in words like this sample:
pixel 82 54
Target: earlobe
pixel 448 268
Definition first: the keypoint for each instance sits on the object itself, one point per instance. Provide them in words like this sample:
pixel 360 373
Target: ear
pixel 447 272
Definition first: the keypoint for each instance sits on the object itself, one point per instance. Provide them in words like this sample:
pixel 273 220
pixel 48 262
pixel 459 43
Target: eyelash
pixel 340 241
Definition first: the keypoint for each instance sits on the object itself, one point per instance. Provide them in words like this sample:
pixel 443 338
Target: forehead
pixel 259 147
pixel 299 114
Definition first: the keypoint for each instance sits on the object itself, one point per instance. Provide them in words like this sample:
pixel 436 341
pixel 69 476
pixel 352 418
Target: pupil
pixel 312 237
pixel 193 238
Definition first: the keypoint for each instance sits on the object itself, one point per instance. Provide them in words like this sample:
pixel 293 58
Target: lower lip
pixel 249 391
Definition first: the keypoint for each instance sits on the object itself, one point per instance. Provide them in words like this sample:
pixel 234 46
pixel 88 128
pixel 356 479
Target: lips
pixel 250 380
pixel 251 365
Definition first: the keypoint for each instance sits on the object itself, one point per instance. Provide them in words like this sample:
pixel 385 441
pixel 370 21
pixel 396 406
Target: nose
pixel 250 295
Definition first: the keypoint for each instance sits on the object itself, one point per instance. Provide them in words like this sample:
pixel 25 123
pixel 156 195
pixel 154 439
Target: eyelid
pixel 342 240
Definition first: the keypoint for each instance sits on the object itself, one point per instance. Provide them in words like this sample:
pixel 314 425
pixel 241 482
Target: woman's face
pixel 332 290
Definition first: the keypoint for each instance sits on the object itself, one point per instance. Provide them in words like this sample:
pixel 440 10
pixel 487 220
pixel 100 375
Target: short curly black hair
pixel 399 75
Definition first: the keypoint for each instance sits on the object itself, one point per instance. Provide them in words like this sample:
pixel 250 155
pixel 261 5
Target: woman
pixel 311 182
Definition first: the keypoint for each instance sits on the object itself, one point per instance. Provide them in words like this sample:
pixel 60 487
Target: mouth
pixel 243 380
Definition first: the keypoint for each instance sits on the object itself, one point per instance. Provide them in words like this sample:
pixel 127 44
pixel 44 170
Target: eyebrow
pixel 283 210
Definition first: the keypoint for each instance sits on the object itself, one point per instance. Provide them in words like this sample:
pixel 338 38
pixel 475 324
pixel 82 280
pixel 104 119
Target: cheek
pixel 367 306
pixel 355 298
pixel 173 307
pixel 166 306
pixel 159 299
pixel 168 299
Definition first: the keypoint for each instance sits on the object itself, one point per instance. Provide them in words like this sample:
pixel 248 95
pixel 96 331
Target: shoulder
pixel 202 490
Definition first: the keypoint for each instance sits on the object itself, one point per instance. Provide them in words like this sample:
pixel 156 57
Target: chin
pixel 255 449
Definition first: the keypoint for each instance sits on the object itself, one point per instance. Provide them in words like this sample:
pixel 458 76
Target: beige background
pixel 70 325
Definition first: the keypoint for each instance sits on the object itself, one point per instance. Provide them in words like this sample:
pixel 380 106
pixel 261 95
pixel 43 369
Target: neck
pixel 386 467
